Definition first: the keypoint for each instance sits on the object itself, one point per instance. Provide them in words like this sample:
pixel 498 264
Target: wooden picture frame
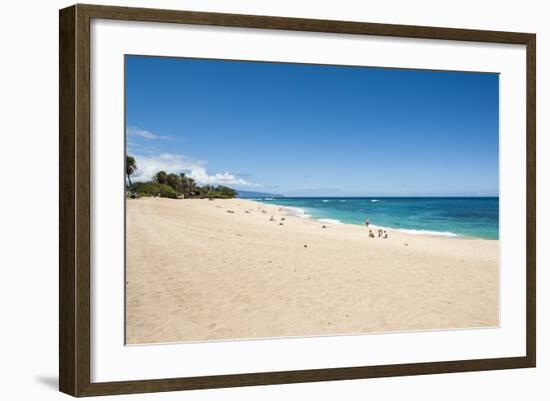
pixel 74 201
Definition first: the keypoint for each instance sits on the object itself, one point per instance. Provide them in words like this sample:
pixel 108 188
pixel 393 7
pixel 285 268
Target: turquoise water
pixel 469 217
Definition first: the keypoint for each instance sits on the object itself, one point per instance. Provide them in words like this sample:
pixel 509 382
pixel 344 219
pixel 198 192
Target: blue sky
pixel 314 130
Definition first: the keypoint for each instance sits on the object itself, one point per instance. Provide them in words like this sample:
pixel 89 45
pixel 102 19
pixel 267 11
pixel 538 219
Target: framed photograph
pixel 249 200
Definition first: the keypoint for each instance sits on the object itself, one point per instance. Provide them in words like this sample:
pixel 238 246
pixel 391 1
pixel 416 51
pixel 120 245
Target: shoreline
pixel 221 269
pixel 303 213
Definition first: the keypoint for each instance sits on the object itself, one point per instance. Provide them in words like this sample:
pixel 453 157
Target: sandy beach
pixel 201 269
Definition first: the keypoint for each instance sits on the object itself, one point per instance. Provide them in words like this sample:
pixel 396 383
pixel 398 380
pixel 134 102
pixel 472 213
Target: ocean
pixel 453 216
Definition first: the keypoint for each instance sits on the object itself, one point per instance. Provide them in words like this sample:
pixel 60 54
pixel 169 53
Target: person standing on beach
pixel 367 221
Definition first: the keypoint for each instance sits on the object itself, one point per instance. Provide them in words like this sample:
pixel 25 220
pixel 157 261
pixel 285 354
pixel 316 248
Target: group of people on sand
pixel 273 219
pixel 381 233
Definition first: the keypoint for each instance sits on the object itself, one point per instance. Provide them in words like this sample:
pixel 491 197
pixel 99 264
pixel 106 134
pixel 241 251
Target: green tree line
pixel 175 186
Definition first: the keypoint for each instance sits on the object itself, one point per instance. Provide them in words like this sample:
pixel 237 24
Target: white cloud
pixel 172 163
pixel 135 131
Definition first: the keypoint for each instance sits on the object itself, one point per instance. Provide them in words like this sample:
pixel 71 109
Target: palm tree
pixel 184 184
pixel 161 177
pixel 131 167
pixel 192 186
pixel 174 181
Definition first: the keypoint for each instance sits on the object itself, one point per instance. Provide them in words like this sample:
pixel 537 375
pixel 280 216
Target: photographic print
pixel 268 199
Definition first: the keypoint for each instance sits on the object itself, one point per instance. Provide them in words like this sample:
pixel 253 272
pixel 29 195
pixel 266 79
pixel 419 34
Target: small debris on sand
pixel 230 211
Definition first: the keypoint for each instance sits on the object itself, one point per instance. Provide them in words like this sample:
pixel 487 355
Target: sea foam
pixel 329 221
pixel 296 211
pixel 426 232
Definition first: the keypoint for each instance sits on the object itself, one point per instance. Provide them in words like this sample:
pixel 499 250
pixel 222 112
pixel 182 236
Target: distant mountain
pixel 252 194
